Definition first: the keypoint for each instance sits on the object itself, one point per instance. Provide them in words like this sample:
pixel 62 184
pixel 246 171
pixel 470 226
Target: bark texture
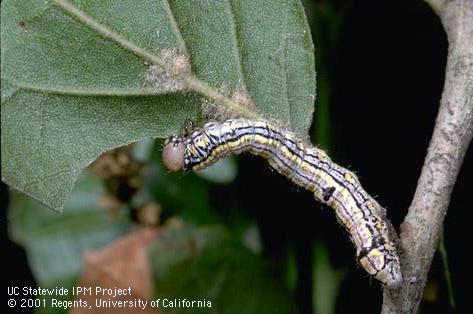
pixel 452 134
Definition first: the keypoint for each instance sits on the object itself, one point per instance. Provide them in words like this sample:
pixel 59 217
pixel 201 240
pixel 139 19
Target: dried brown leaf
pixel 121 265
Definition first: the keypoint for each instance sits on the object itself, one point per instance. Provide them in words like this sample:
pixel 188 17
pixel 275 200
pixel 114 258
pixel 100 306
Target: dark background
pixel 384 70
pixel 386 73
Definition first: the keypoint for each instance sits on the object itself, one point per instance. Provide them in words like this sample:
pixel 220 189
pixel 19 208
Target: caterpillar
pixel 306 166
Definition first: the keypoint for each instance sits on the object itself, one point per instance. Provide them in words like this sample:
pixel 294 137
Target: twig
pixel 452 134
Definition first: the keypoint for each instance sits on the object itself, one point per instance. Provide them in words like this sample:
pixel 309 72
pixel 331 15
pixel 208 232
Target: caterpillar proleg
pixel 306 166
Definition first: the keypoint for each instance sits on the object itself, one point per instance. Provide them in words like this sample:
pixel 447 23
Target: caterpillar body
pixel 306 166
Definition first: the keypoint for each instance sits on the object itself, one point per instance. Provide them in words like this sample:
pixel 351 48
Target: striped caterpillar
pixel 306 166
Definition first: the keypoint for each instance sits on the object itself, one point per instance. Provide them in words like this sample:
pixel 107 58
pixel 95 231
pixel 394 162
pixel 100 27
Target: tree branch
pixel 452 134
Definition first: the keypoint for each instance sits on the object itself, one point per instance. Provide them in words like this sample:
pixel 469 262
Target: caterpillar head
pixel 383 265
pixel 173 153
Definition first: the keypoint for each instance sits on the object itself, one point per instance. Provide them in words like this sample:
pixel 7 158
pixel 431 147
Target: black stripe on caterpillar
pixel 306 166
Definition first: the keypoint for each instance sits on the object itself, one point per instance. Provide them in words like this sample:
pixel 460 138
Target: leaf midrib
pixel 192 82
pixel 87 92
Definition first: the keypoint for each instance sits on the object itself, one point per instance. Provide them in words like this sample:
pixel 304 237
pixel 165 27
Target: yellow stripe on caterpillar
pixel 306 166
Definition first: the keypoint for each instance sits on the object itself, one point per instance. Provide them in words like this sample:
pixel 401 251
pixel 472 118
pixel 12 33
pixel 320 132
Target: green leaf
pixel 222 172
pixel 55 242
pixel 446 269
pixel 326 280
pixel 206 264
pixel 75 85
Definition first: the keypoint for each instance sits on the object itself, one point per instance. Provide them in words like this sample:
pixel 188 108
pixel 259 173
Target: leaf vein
pixel 175 27
pixel 237 36
pixel 89 92
pixel 48 178
pixel 283 55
